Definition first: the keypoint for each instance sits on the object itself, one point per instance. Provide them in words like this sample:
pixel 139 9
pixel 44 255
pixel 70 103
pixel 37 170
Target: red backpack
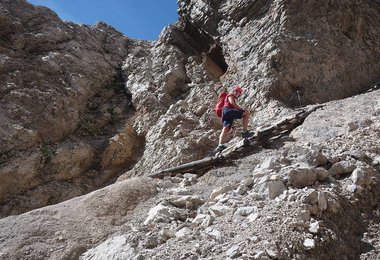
pixel 220 104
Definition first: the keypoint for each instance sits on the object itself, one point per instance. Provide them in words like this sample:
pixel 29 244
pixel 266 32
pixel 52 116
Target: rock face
pixel 50 70
pixel 252 210
pixel 74 227
pixel 61 100
pixel 81 105
pixel 279 47
pixel 277 50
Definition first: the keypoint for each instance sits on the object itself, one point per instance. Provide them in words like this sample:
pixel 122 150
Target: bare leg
pixel 223 134
pixel 231 131
pixel 245 120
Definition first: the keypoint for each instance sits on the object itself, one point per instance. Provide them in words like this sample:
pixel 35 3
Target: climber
pixel 231 111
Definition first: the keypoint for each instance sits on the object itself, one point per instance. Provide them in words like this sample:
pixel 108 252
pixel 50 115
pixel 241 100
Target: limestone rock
pixel 252 217
pixel 24 172
pixel 314 227
pixel 322 174
pixel 303 177
pixel 122 149
pixel 269 189
pixel 81 104
pixel 53 46
pixel 75 221
pixel 363 176
pixel 214 233
pixel 165 234
pixel 342 167
pixel 114 247
pixel 184 232
pixel 165 184
pixel 245 211
pixel 233 251
pixel 222 190
pixel 220 210
pixel 53 76
pixel 322 201
pixel 162 213
pixel 181 202
pixel 309 243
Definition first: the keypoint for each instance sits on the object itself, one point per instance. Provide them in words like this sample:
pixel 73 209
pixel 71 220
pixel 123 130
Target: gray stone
pixel 214 233
pixel 180 191
pixel 252 217
pixel 310 197
pixel 208 221
pixel 292 197
pixel 314 227
pixel 309 243
pixel 317 159
pixel 151 241
pixel 183 232
pixel 245 211
pixel 254 239
pixel 165 184
pixel 176 179
pixel 376 159
pixel 363 176
pixel 269 189
pixel 219 191
pixel 275 189
pixel 352 188
pixel 303 177
pixel 161 213
pixel 165 234
pixel 333 205
pixel 261 255
pixel 203 220
pixel 199 218
pixel 185 183
pixel 181 202
pixel 322 174
pixel 114 247
pixel 220 210
pixel 272 254
pixel 304 215
pixel 269 163
pixel 342 167
pixel 247 182
pixel 241 190
pixel 233 251
pixel 322 202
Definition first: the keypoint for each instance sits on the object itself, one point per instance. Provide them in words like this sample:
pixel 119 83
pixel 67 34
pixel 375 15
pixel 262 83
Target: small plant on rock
pixel 46 151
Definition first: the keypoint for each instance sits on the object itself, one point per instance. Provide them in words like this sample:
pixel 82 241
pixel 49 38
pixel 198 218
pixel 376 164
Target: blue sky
pixel 139 19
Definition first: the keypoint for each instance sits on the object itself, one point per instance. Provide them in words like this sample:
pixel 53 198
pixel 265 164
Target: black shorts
pixel 229 114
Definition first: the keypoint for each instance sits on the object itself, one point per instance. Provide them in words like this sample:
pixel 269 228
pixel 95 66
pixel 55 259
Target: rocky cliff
pixel 62 103
pixel 283 55
pixel 83 105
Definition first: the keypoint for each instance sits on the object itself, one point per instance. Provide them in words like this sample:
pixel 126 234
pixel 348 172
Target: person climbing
pixel 232 111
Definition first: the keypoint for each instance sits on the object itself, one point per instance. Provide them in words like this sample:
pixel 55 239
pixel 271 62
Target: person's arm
pixel 232 101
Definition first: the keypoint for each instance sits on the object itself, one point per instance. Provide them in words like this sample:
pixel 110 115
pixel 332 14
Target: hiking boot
pixel 220 148
pixel 247 134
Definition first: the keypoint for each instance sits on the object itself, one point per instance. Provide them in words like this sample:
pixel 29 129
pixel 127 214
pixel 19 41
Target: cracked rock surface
pixel 87 113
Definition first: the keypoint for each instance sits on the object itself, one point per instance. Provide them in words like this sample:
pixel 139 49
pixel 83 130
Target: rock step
pixel 242 147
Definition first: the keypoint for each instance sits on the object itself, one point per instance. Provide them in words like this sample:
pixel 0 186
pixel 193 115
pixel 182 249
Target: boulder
pixel 363 176
pixel 342 167
pixel 113 247
pixel 302 177
pixel 81 222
